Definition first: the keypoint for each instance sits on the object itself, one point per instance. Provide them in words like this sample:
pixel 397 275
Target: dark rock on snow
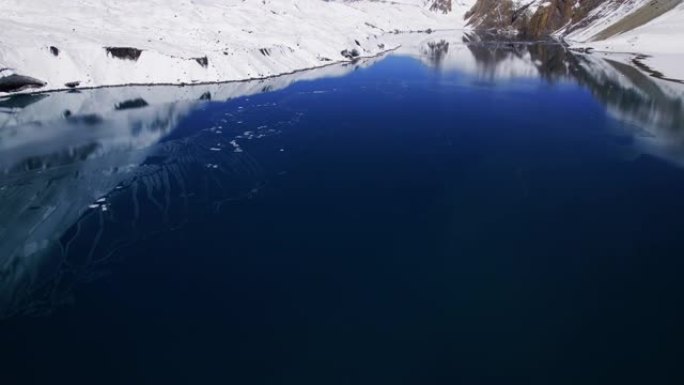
pixel 351 55
pixel 443 6
pixel 14 83
pixel 203 61
pixel 124 53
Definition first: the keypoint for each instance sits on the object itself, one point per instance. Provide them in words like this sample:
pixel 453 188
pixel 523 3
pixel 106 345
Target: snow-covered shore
pixel 91 43
pixel 59 44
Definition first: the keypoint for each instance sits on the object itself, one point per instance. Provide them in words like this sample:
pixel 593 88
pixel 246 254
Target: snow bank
pixel 90 43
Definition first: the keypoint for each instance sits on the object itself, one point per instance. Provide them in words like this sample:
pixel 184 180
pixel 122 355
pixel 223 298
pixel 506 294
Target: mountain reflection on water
pixel 85 174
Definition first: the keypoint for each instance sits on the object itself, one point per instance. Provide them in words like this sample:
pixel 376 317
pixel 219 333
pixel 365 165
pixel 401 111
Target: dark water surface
pixel 484 214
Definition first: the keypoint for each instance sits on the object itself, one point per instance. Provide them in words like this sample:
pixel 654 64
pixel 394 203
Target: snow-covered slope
pixel 660 42
pixel 599 18
pixel 539 18
pixel 57 44
pixel 87 43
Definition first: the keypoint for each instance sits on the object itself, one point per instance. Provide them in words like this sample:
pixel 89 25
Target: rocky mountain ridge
pixel 592 19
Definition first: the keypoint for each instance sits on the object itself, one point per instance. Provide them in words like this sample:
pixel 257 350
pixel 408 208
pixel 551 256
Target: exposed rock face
pixel 499 15
pixel 350 54
pixel 124 53
pixel 552 17
pixel 14 82
pixel 443 6
pixel 533 19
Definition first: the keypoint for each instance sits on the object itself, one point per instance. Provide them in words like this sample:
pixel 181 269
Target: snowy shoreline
pixel 89 44
pixel 206 83
pixel 83 44
pixel 634 59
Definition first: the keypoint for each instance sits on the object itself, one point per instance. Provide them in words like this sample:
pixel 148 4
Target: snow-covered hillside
pixel 659 42
pixel 57 44
pixel 87 43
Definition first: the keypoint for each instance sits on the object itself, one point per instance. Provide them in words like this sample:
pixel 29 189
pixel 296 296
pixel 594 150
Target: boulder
pixel 15 83
pixel 350 54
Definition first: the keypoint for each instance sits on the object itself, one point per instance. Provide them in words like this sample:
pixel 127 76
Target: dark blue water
pixel 396 225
